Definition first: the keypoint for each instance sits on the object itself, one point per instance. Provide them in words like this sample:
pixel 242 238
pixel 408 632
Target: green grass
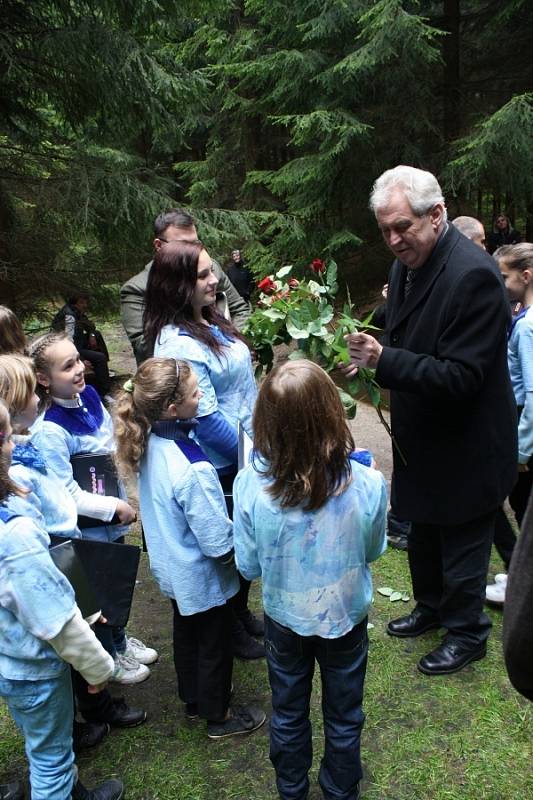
pixel 463 737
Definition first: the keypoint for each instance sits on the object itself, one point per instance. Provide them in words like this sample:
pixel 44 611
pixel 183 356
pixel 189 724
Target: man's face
pixel 410 238
pixel 479 238
pixel 174 234
pixel 236 255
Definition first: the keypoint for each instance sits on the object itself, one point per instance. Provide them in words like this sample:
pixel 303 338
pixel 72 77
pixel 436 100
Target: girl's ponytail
pixel 142 401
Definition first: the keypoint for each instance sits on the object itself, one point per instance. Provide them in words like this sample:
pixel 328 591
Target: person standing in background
pixel 241 276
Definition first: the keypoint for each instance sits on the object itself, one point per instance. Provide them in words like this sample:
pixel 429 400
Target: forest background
pixel 269 120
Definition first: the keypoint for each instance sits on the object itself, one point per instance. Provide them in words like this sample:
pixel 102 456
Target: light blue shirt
pixel 186 526
pixel 36 602
pixel 48 501
pixel 226 379
pixel 58 445
pixel 520 360
pixel 314 564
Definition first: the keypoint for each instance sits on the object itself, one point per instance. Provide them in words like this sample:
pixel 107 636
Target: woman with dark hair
pixel 503 233
pixel 181 321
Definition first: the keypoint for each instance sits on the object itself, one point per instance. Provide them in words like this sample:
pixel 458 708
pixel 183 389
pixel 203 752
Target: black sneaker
pixel 88 734
pixel 12 791
pixel 243 719
pixel 122 716
pixel 109 790
pixel 252 624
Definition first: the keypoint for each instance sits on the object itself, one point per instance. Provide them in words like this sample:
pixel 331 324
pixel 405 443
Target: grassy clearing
pixel 466 736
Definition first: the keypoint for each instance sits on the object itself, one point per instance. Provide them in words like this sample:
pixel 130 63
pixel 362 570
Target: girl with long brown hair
pixel 308 519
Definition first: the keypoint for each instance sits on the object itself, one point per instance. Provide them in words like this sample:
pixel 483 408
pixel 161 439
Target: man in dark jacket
pixel 517 614
pixel 453 415
pixel 171 226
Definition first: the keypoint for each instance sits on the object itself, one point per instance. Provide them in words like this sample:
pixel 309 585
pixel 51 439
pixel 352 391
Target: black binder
pixel 95 473
pixel 111 570
pixel 66 560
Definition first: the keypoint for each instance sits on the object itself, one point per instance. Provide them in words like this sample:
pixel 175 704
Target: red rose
pixel 266 285
pixel 318 266
pixel 293 283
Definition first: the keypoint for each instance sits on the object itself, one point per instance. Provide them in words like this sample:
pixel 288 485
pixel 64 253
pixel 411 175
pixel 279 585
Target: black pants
pixel 102 381
pixel 203 659
pixel 94 707
pixel 449 569
pixel 504 535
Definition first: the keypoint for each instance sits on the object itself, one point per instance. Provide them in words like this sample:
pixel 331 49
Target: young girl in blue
pixel 41 628
pixel 308 519
pixel 75 421
pixel 181 321
pixel 48 501
pixel 188 534
pixel 516 266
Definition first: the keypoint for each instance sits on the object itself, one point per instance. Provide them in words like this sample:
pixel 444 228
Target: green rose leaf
pixel 395 596
pixel 284 271
pixel 386 591
pixel 296 333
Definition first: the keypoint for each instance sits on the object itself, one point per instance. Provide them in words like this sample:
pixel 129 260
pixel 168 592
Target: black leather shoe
pixel 122 716
pixel 88 734
pixel 12 791
pixel 413 624
pixel 252 624
pixel 450 657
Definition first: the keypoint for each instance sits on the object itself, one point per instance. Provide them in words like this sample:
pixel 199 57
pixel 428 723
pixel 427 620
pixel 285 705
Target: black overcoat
pixel 453 412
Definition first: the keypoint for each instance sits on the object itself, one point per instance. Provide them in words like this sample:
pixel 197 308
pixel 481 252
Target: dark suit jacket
pixel 518 611
pixel 452 408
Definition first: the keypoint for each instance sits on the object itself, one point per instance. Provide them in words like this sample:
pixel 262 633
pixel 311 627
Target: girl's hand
pixel 98 688
pixel 125 512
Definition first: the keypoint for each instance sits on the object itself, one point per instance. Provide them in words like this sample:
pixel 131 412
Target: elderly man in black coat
pixel 453 415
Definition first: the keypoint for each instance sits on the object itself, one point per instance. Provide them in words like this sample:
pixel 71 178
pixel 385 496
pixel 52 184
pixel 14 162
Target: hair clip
pixel 128 386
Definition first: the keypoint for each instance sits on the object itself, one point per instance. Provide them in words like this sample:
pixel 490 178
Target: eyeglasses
pixel 170 241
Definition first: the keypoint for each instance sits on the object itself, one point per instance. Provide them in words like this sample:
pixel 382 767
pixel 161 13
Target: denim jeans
pixel 291 664
pixel 43 710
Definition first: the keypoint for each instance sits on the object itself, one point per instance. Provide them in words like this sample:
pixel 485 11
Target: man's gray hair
pixel 421 189
pixel 469 226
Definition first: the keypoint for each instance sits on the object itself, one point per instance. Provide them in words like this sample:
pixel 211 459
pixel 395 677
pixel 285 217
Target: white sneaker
pixel 501 577
pixel 495 593
pixel 128 670
pixel 138 650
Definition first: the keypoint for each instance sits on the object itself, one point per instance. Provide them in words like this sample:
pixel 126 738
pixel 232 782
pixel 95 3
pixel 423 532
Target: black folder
pixel 66 560
pixel 95 473
pixel 111 570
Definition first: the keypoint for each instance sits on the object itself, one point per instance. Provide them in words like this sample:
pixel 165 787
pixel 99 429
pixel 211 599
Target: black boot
pixel 252 624
pixel 12 791
pixel 109 790
pixel 244 646
pixel 88 734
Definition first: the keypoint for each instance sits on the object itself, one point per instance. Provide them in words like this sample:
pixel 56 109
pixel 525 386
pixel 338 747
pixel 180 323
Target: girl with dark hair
pixel 188 534
pixel 181 321
pixel 12 336
pixel 308 519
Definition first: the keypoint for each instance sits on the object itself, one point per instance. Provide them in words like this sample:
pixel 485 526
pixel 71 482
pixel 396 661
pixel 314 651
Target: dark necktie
pixel 409 280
